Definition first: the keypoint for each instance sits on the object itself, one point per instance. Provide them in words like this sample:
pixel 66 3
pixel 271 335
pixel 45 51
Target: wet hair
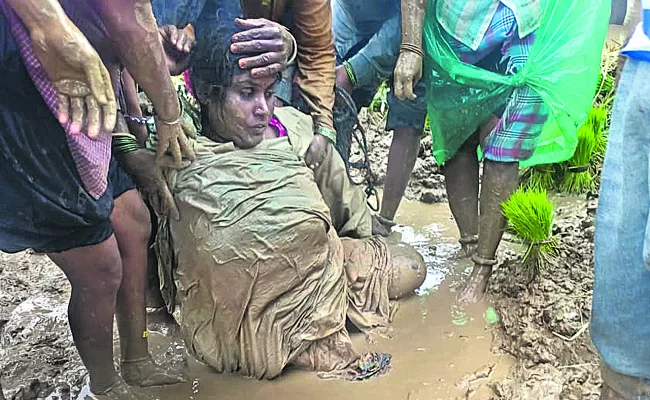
pixel 212 61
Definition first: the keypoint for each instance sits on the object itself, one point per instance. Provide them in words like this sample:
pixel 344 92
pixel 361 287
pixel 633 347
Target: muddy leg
pixel 461 181
pixel 95 273
pixel 132 226
pixel 499 181
pixel 2 395
pixel 402 156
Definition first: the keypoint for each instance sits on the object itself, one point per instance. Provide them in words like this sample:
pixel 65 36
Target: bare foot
pixel 466 251
pixel 476 286
pixel 117 391
pixel 145 373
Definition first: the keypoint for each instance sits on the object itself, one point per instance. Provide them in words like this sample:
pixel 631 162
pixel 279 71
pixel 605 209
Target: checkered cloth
pixel 91 156
pixel 468 21
pixel 515 136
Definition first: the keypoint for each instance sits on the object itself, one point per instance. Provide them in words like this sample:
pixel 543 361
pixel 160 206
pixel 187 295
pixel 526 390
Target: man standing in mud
pixel 495 36
pixel 620 326
pixel 367 42
pixel 58 182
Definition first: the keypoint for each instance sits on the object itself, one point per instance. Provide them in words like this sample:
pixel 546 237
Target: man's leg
pixel 95 273
pixel 499 181
pixel 402 156
pixel 461 181
pixel 406 120
pixel 132 225
pixel 620 325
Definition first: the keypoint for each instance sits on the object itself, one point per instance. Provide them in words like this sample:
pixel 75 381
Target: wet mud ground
pixel 539 349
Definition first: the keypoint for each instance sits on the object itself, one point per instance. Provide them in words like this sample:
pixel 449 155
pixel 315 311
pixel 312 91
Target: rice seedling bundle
pixel 530 217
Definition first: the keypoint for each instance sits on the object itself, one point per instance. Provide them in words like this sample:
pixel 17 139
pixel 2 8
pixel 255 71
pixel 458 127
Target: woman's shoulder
pixel 299 126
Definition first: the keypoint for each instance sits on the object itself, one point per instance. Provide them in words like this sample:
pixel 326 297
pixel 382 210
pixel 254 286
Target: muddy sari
pixel 254 270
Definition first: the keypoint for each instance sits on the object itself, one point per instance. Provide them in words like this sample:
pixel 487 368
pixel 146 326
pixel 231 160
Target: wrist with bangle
pixel 326 131
pixel 172 122
pixel 124 143
pixel 350 72
pixel 411 48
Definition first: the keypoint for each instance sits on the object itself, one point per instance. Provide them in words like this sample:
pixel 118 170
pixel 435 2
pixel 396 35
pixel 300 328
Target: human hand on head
pixel 272 40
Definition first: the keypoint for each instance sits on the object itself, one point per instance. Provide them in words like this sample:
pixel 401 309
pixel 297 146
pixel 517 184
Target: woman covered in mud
pixel 258 272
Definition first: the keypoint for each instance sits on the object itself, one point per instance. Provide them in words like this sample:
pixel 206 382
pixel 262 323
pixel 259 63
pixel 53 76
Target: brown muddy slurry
pixel 440 351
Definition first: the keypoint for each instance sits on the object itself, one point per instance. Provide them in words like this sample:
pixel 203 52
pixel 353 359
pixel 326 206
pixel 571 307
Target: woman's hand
pixel 263 36
pixel 178 44
pixel 408 72
pixel 317 151
pixel 84 89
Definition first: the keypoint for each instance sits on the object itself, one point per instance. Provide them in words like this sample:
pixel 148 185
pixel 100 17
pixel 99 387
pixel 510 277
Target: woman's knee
pixel 408 270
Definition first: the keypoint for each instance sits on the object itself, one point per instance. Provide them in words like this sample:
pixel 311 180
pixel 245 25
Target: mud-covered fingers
pixel 78 114
pixel 188 128
pixel 264 59
pixel 252 23
pixel 64 108
pixel 161 150
pixel 263 33
pixel 96 75
pixel 175 151
pixel 186 148
pixel 408 88
pixel 94 112
pixel 109 115
pixel 399 86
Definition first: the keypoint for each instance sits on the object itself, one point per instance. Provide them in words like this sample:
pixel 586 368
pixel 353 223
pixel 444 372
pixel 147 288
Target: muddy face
pixel 243 116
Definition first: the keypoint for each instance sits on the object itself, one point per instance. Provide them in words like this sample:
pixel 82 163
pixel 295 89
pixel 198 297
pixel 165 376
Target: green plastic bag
pixel 563 67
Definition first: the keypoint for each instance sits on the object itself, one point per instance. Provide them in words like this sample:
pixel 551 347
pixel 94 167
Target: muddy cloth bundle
pixel 254 270
pixel 561 66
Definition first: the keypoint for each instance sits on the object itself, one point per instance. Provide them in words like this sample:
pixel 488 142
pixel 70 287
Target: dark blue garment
pixel 44 205
pixel 207 16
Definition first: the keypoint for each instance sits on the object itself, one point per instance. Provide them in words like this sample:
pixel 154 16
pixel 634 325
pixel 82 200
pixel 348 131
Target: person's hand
pixel 342 79
pixel 148 177
pixel 266 37
pixel 318 150
pixel 178 44
pixel 84 90
pixel 408 72
pixel 173 137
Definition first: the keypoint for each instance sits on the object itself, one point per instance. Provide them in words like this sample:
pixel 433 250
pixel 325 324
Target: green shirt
pixel 467 21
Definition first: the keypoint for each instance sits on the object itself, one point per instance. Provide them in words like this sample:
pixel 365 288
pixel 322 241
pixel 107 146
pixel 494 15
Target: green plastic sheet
pixel 563 68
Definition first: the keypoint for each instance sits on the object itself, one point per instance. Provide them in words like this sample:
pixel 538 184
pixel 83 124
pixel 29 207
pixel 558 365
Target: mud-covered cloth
pixel 254 270
pixel 368 269
pixel 44 203
pixel 350 214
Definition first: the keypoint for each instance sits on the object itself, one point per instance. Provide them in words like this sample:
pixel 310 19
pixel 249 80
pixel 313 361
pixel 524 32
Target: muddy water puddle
pixel 439 350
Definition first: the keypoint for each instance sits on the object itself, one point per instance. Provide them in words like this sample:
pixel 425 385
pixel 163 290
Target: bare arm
pixel 408 70
pixel 132 27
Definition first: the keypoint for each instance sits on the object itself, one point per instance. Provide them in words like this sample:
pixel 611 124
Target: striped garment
pixel 468 21
pixel 91 156
pixel 524 115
